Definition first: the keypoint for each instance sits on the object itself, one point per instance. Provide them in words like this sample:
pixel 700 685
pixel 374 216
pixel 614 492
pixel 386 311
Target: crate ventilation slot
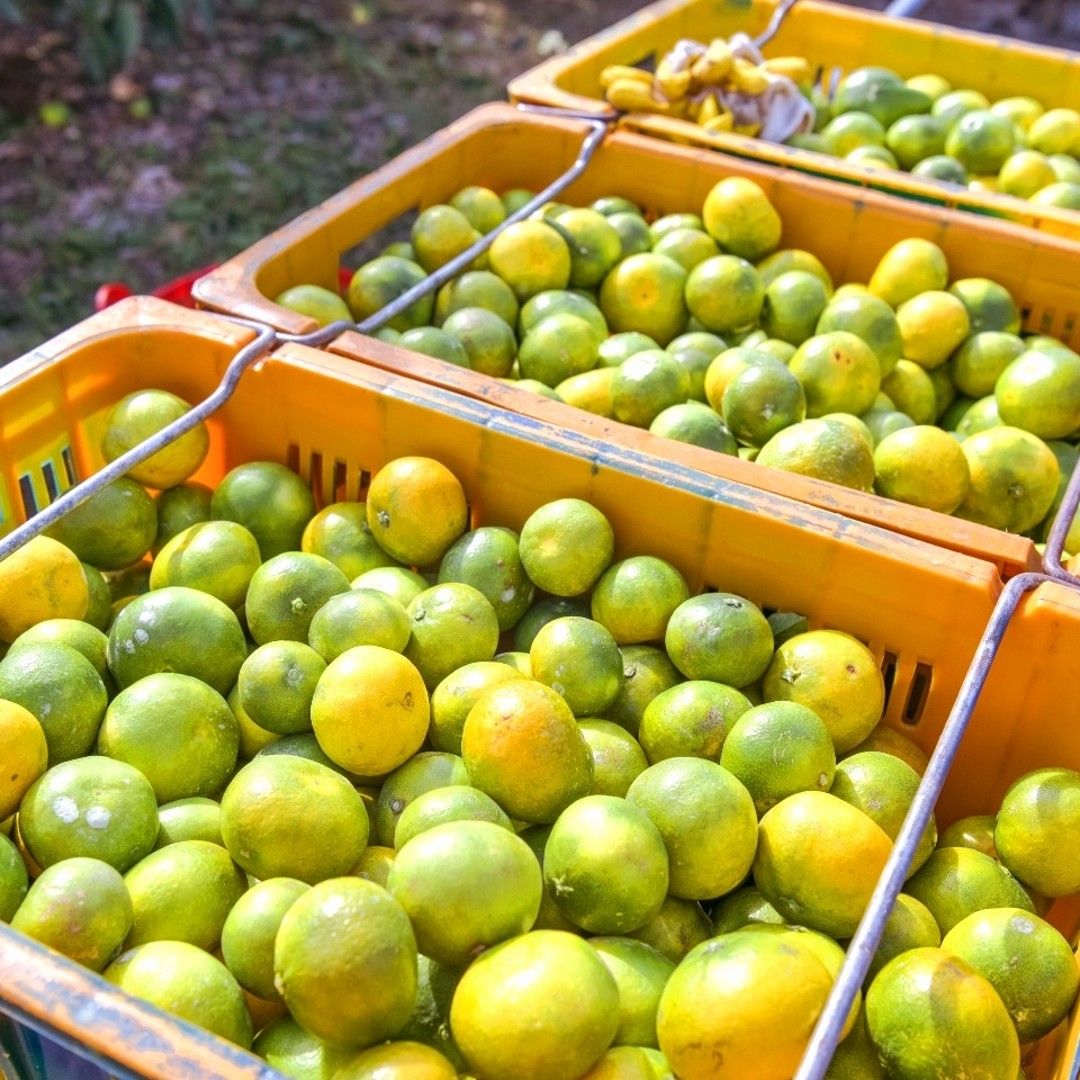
pixel 888 673
pixel 917 694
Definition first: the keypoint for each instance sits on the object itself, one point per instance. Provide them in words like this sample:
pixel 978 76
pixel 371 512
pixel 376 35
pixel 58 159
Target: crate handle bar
pixel 598 128
pixel 904 9
pixel 254 350
pixel 1055 540
pixel 860 951
pixel 778 16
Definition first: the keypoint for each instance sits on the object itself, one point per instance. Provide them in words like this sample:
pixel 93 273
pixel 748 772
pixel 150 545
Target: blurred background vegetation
pixel 140 139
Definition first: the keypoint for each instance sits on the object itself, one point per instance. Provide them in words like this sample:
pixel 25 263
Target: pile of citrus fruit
pixel 702 328
pixel 388 797
pixel 922 125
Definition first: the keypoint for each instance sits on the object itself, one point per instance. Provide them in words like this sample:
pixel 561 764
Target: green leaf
pixel 127 30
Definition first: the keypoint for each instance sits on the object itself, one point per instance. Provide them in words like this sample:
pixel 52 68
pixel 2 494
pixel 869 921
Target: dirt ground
pixel 286 102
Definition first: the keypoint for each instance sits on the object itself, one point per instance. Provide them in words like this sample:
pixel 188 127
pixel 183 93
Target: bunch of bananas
pixel 710 85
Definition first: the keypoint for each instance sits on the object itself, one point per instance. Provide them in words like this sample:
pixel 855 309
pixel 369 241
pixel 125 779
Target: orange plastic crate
pixel 833 36
pixel 336 421
pixel 499 146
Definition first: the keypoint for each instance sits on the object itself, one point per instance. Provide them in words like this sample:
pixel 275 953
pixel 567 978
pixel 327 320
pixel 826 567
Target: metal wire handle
pixel 265 340
pixel 598 127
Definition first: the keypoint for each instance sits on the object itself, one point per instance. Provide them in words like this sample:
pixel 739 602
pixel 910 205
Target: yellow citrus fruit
pixel 113 528
pixel 183 892
pixel 605 865
pixel 370 710
pixel 556 348
pixel 14 879
pixel 416 509
pixel 867 317
pixel 92 807
pixel 956 882
pixel 481 206
pixel 531 256
pixel 580 660
pixel 1027 961
pixel 744 907
pixel 1024 173
pixel 187 982
pixel 509 1017
pixel 979 416
pixel 381 281
pixel 976 365
pixel 398 1061
pixel 975 831
pixel 741 1006
pixel 635 598
pixel 914 138
pixel 706 819
pixel 644 293
pixel 402 584
pixel 738 215
pixel 1065 194
pixel 177 731
pixel 487 339
pixel 285 816
pixel 835 676
pixel 889 741
pixel 719 636
pixel 320 304
pixel 287 1047
pixel 912 391
pixel 439 233
pixel 981 141
pixel 932 325
pixel 358 617
pixel 374 864
pixel 252 737
pixel 838 371
pixel 882 787
pixel 1014 477
pixel 76 634
pixel 640 972
pixel 1056 132
pixel 24 752
pixel 455 696
pixel 431 341
pixel 687 246
pixel 1038 819
pixel 451 625
pixel 909 926
pixel 822 449
pixel 695 423
pixel 440 806
pixel 522 747
pixel 426 771
pixel 777 749
pixel 725 294
pixel 852 130
pixel 489 559
pixel 215 557
pixel 923 466
pixel 1022 111
pixel 345 962
pixel 269 500
pixel 818 860
pixel 645 384
pixel 908 268
pixel 563 302
pixel 276 683
pixel 955 103
pixel 99 603
pixel 647 672
pixel 617 757
pixel 589 390
pixel 679 926
pixel 692 719
pixel 1040 392
pixel 761 401
pixel 565 546
pixel 465 886
pixel 180 630
pixel 594 245
pixel 81 908
pixel 780 262
pixel 929 1014
pixel 142 414
pixel 62 690
pixel 477 289
pixel 189 819
pixel 340 532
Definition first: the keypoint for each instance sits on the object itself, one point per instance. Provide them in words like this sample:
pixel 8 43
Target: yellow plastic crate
pixel 501 147
pixel 336 421
pixel 831 35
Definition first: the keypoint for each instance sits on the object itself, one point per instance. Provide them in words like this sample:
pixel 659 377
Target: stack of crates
pixel 918 587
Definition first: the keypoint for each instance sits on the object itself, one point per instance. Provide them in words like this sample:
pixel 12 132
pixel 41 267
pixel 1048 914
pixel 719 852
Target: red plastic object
pixel 178 290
